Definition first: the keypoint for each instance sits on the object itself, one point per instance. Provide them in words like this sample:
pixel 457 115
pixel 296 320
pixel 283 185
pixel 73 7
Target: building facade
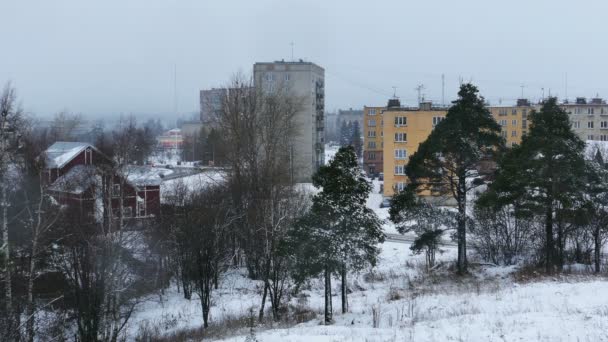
pixel 373 140
pixel 307 81
pixel 589 119
pixel 211 102
pixel 405 128
pixel 513 120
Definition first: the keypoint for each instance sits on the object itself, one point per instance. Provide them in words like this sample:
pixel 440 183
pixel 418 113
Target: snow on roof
pixel 61 152
pixel 145 175
pixel 77 180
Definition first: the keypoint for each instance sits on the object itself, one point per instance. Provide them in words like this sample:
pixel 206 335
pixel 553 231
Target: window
pixel 400 137
pixel 513 133
pixel 142 208
pixel 381 133
pixel 127 211
pixel 400 186
pixel 502 111
pixel 400 154
pixel 514 122
pixel 604 124
pixel 524 123
pixel 116 190
pixel 590 137
pixel 589 110
pixel 578 110
pixel 503 122
pixel 524 112
pixel 513 111
pixel 603 137
pixel 399 169
pixel 437 120
pixel 503 134
pixel 371 155
pixel 371 134
pixel 400 121
pixel 287 77
pixel 371 123
pixel 589 124
pixel 371 111
pixel 371 144
pixel 576 124
pixel 602 110
pixel 270 77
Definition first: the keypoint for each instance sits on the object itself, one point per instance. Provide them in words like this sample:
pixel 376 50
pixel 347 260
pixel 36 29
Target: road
pixel 410 238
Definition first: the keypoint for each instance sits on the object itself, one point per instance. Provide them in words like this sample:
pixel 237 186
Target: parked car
pixel 386 203
pixel 381 176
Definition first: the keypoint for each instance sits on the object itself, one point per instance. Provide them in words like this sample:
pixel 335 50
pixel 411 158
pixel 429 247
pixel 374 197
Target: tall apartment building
pixel 373 144
pixel 513 120
pixel 404 130
pixel 211 101
pixel 589 119
pixel 306 80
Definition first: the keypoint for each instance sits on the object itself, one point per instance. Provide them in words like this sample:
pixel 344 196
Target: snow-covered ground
pixel 411 304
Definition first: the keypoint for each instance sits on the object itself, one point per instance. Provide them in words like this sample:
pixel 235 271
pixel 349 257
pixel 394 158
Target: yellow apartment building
pixel 513 120
pixel 372 140
pixel 404 130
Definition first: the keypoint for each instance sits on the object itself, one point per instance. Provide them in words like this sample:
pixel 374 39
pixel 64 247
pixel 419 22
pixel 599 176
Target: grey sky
pixel 118 56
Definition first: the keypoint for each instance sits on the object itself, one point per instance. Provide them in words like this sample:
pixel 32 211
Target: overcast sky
pixel 118 56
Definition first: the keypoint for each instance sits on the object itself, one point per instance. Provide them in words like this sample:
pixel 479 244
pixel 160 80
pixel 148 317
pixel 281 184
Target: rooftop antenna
pixel 442 90
pixel 175 89
pixel 522 91
pixel 419 90
pixel 543 97
pixel 291 51
pixel 394 92
pixel 566 94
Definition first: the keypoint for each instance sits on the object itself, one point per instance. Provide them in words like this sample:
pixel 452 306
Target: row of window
pixel 505 111
pixel 590 124
pixel 504 134
pixel 589 111
pixel 270 77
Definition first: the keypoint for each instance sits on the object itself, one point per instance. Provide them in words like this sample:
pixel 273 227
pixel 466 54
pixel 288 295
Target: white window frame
pixel 400 153
pixel 437 120
pixel 400 137
pixel 589 124
pixel 400 121
pixel 371 134
pixel 399 170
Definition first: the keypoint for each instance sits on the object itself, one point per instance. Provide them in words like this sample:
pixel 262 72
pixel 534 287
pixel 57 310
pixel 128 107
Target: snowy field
pixel 410 304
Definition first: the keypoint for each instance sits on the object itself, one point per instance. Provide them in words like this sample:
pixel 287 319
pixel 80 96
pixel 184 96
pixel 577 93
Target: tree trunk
pixel 261 314
pixel 549 240
pixel 328 307
pixel 30 291
pixel 462 225
pixel 7 255
pixel 344 290
pixel 597 250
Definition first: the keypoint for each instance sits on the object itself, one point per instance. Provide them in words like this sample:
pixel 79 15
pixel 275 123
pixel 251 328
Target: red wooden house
pixel 77 174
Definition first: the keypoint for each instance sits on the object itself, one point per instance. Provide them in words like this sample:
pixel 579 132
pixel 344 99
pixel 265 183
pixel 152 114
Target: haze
pixel 113 57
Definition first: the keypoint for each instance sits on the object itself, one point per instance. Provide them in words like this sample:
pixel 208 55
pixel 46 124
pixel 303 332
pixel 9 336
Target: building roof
pixel 77 180
pixel 62 152
pixel 145 175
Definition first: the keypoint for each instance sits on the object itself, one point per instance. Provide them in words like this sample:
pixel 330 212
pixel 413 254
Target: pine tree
pixel 356 139
pixel 340 232
pixel 344 134
pixel 448 161
pixel 544 175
